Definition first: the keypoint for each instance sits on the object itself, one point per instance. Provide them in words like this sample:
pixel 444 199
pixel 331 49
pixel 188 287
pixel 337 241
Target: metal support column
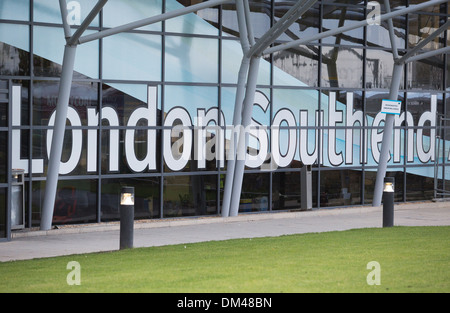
pixel 243 135
pixel 231 163
pixel 387 137
pixel 62 105
pixel 54 160
pixel 389 121
pixel 237 117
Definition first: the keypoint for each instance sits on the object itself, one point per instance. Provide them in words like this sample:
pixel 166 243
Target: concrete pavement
pixel 77 239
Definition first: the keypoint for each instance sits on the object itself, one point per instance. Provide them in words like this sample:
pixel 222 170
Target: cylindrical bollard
pixel 388 202
pixel 126 217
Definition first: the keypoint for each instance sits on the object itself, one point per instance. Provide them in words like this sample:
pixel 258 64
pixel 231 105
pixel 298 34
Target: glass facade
pixel 140 99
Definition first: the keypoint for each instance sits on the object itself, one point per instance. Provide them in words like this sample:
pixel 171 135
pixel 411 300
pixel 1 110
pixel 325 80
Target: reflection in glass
pixel 120 12
pixel 25 103
pixel 190 195
pixel 342 67
pixel 13 61
pixel 14 44
pixel 190 59
pixel 48 11
pixel 260 12
pixel 340 187
pixel 231 62
pixel 339 16
pixel 125 99
pixel 286 191
pixel 379 67
pixel 419 187
pixel 419 102
pixel 146 197
pixel 301 62
pixel 426 74
pixel 132 56
pixel 83 95
pixel 3 156
pixel 378 35
pixel 255 193
pixel 15 10
pixel 447 71
pixel 420 27
pixel 304 27
pixel 76 201
pixel 39 147
pixel 48 54
pixel 190 23
pixel 3 212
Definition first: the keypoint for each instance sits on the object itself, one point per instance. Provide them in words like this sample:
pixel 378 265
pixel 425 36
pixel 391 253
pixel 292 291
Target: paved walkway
pixel 105 236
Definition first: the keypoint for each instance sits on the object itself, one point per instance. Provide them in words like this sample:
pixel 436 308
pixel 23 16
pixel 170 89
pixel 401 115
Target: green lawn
pixel 412 259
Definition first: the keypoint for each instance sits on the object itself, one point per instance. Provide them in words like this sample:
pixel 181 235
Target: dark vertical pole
pixel 126 217
pixel 388 202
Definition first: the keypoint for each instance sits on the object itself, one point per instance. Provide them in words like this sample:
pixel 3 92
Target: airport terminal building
pixel 151 108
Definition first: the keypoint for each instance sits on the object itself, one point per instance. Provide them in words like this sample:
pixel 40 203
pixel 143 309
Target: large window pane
pixel 48 11
pixel 190 59
pixel 286 192
pixel 4 115
pixel 420 27
pixel 83 95
pixel 305 26
pixel 255 193
pixel 126 98
pixel 76 201
pixel 75 151
pixel 260 16
pixel 340 187
pixel 419 187
pixel 14 47
pixel 204 22
pixel 298 66
pixel 131 56
pixel 378 35
pixel 3 212
pixel 3 156
pixel 146 197
pixel 426 74
pixel 379 68
pixel 13 61
pixel 231 63
pixel 48 54
pixel 121 12
pixel 342 67
pixel 190 195
pixel 15 10
pixel 339 16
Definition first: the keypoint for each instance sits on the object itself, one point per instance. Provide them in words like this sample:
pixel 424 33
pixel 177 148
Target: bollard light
pixel 127 196
pixel 388 201
pixel 126 217
pixel 388 184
